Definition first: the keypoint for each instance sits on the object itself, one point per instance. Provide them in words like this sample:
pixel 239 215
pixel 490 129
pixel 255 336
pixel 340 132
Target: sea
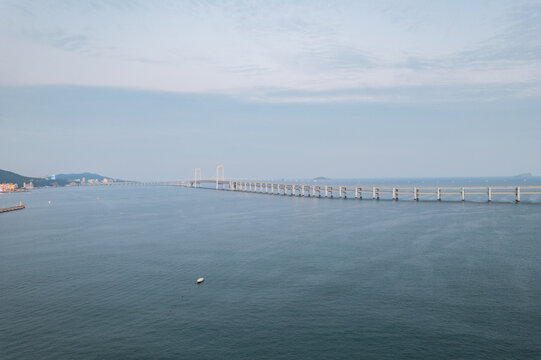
pixel 109 272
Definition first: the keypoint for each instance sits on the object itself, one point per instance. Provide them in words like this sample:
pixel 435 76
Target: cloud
pixel 257 47
pixel 480 93
pixel 61 40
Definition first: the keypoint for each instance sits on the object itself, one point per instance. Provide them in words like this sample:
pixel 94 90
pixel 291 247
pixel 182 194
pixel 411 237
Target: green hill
pixel 13 178
pixel 60 179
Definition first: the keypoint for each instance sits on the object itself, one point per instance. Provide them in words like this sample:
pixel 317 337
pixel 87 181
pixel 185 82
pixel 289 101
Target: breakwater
pixel 12 208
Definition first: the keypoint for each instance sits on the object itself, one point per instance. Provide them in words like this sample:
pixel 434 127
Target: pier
pixel 359 191
pixel 13 208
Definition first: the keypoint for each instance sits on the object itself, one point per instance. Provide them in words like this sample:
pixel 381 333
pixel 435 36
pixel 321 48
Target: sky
pixel 149 90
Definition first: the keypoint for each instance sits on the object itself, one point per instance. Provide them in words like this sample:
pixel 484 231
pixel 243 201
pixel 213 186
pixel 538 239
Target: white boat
pixel 200 280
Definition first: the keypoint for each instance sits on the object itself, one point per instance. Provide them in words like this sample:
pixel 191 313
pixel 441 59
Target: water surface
pixel 109 272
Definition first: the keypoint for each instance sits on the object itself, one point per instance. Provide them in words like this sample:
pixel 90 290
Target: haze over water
pixel 109 272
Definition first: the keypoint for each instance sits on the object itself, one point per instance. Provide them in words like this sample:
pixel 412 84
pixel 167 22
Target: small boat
pixel 200 281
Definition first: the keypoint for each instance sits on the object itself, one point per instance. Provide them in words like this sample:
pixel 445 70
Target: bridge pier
pixel 358 193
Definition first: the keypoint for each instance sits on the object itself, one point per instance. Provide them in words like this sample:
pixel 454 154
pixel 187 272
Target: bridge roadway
pixel 357 191
pixel 339 191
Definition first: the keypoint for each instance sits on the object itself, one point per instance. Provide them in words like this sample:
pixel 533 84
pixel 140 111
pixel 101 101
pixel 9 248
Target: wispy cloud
pixel 257 47
pixel 61 40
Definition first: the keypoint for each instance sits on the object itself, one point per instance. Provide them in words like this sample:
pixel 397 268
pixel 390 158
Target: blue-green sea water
pixel 109 273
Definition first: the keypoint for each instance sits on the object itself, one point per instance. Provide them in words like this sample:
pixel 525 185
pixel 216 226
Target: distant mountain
pixel 524 175
pixel 60 179
pixel 321 178
pixel 13 178
pixel 80 176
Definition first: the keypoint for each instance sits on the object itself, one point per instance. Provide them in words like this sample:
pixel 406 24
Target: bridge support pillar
pixel 517 194
pixel 439 194
pixel 489 194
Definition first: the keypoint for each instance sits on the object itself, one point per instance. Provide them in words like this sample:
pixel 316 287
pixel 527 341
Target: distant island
pixel 524 175
pixel 17 181
pixel 321 178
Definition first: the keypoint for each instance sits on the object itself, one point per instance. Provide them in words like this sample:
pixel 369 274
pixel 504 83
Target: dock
pixel 13 208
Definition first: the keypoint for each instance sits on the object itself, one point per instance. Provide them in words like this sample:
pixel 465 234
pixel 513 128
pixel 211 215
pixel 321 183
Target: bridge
pixel 355 191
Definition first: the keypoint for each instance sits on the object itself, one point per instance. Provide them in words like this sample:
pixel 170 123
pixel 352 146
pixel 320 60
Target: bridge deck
pixel 357 191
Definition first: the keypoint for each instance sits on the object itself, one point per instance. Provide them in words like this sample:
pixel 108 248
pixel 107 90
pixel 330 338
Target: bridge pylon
pixel 196 172
pixel 218 168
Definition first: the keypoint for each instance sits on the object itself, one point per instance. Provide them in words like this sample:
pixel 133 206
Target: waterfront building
pixel 7 187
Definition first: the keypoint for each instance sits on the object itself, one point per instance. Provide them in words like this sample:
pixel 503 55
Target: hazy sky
pixel 151 89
